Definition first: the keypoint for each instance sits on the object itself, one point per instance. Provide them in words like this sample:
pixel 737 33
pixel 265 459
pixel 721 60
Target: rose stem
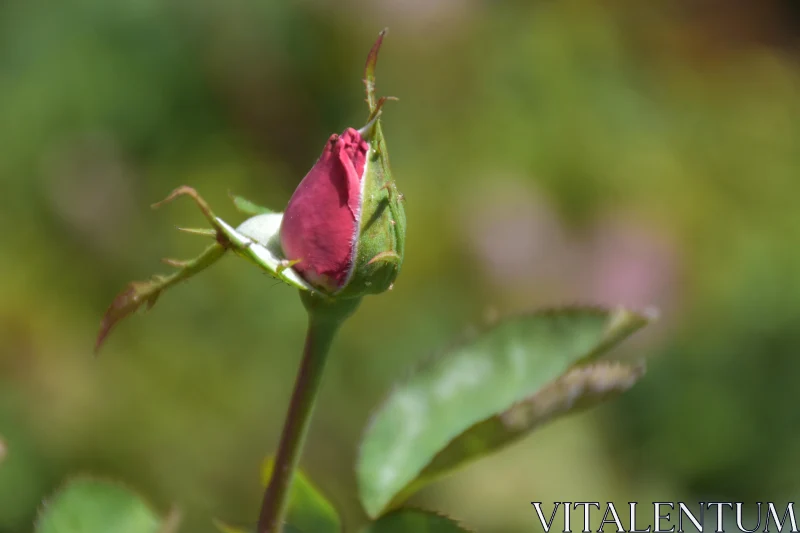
pixel 324 319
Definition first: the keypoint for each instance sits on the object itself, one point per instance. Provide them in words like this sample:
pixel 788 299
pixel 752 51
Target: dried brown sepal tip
pixel 139 293
pixel 126 302
pixel 369 71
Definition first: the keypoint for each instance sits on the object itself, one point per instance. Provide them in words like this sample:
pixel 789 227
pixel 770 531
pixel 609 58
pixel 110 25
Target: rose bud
pixel 344 227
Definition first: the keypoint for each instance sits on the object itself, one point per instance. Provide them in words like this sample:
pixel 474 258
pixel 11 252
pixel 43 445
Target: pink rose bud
pixel 320 225
pixel 344 226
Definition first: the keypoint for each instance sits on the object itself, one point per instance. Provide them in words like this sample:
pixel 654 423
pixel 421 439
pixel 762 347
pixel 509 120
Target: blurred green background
pixel 551 152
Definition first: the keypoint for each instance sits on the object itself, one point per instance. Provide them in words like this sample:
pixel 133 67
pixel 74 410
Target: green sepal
pixel 380 245
pixel 256 240
pixel 246 207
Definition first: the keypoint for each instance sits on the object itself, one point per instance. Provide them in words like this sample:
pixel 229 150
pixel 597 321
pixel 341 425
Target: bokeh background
pixel 551 152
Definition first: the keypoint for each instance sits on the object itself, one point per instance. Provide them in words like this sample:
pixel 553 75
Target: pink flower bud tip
pixel 321 222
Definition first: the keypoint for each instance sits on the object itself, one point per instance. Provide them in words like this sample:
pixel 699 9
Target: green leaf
pixel 225 528
pixel 243 205
pixel 308 509
pixel 486 393
pixel 580 387
pixel 86 505
pixel 414 521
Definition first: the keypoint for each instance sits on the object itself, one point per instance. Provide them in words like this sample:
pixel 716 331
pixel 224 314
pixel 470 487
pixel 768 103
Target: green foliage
pixel 579 387
pixel 414 521
pixel 486 393
pixel 308 510
pixel 225 528
pixel 86 505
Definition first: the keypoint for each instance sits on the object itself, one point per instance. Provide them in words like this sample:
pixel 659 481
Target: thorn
pixel 374 114
pixel 205 232
pixel 150 302
pixel 177 263
pixel 388 256
pixel 393 222
pixel 401 197
pixel 391 286
pixel 285 263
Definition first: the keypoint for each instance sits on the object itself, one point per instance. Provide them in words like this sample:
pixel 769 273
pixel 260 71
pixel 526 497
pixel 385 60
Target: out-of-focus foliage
pixel 414 520
pixel 549 152
pixel 225 528
pixel 308 510
pixel 89 506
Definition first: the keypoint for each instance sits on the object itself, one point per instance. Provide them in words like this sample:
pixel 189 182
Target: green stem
pixel 324 319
